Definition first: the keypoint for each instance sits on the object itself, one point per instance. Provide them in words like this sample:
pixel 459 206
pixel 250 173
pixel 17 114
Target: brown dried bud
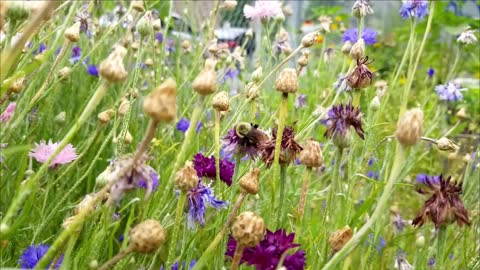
pixel 361 76
pixel 124 107
pixel 339 238
pixel 186 178
pixel 126 137
pixel 73 32
pixel 147 236
pixel 311 155
pixel 161 103
pixel 249 182
pixel 303 60
pixel 221 102
pixel 186 44
pixel 445 144
pixel 287 81
pixel 105 116
pixel 17 85
pixel 86 205
pixel 206 81
pixel 410 127
pixel 138 5
pixel 112 68
pixel 248 229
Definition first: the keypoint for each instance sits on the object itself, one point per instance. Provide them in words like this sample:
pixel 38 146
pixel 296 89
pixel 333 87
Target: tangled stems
pixel 202 261
pixel 32 183
pixel 398 164
pixel 303 198
pixel 278 144
pixel 176 227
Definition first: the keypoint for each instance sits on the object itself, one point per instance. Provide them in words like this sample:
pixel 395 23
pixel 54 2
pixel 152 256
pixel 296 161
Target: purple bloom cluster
pixel 32 255
pixel 76 55
pixel 449 92
pixel 198 200
pixel 369 35
pixel 301 101
pixel 205 167
pixel 340 118
pixel 414 9
pixel 267 254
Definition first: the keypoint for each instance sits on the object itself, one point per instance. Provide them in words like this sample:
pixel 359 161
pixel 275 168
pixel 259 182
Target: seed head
pixel 221 102
pixel 73 32
pixel 361 8
pixel 147 236
pixel 186 178
pixel 287 81
pixel 303 60
pixel 361 76
pixel 311 155
pixel 445 144
pixel 112 68
pixel 206 81
pixel 249 182
pixel 339 238
pixel 124 107
pixel 161 103
pixel 358 49
pixel 410 127
pixel 149 62
pixel 138 5
pixel 462 114
pixel 248 229
pixel 325 22
pixel 105 116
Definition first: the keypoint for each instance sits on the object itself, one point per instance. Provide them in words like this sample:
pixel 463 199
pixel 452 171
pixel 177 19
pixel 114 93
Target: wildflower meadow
pixel 242 134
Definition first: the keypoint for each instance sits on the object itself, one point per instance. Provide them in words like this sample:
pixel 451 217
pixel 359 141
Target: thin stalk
pixel 176 227
pixel 142 148
pixel 441 241
pixel 213 21
pixel 303 198
pixel 208 252
pixel 32 183
pixel 405 54
pixel 217 145
pixel 356 95
pixel 110 263
pixel 283 179
pixel 336 184
pixel 278 142
pixel 379 210
pixel 454 66
pixel 237 257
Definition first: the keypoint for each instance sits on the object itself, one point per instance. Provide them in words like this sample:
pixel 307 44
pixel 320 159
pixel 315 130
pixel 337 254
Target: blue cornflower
pixel 430 72
pixel 154 177
pixel 41 48
pixel 424 178
pixel 369 35
pixel 431 262
pixel 449 92
pixel 230 74
pixel 198 200
pixel 159 37
pixel 371 161
pixel 92 70
pixel 373 175
pixel 76 55
pixel 301 101
pixel 32 255
pixel 381 242
pixel 414 9
pixel 183 125
pixel 176 265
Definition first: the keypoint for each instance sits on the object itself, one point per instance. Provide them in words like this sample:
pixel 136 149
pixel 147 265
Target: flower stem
pixel 379 210
pixel 283 179
pixel 203 259
pixel 454 66
pixel 217 145
pixel 356 95
pixel 142 148
pixel 176 227
pixel 110 263
pixel 303 198
pixel 441 241
pixel 278 144
pixel 237 257
pixel 32 183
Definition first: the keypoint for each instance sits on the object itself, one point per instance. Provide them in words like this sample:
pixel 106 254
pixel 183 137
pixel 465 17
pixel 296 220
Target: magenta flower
pixel 8 113
pixel 205 167
pixel 43 151
pixel 262 10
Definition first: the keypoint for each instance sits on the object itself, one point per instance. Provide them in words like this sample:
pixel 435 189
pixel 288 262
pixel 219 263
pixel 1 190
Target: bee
pixel 249 134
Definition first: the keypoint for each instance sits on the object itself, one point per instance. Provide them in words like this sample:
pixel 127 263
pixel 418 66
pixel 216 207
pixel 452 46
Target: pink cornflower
pixel 262 10
pixel 43 151
pixel 8 113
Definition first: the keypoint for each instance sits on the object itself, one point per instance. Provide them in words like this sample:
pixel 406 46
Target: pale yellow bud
pixel 249 182
pixel 17 85
pixel 124 107
pixel 73 32
pixel 358 49
pixel 138 5
pixel 206 81
pixel 112 68
pixel 147 236
pixel 410 127
pixel 445 144
pixel 105 116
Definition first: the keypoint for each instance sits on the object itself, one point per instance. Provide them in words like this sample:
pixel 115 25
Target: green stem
pixel 454 66
pixel 356 95
pixel 405 55
pixel 211 248
pixel 110 263
pixel 303 198
pixel 32 183
pixel 379 210
pixel 217 145
pixel 283 180
pixel 176 227
pixel 441 241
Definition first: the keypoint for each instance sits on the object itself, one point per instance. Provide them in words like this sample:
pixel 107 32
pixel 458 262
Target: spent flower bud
pixel 444 144
pixel 339 238
pixel 229 5
pixel 311 155
pixel 206 81
pixel 17 85
pixel 358 49
pixel 410 127
pixel 147 236
pixel 248 229
pixel 64 73
pixel 287 81
pixel 161 103
pixel 73 32
pixel 249 182
pixel 112 68
pixel 347 47
pixel 221 102
pixel 138 5
pixel 257 74
pixel 186 178
pixel 309 39
pixel 145 24
pixel 361 8
pixel 105 116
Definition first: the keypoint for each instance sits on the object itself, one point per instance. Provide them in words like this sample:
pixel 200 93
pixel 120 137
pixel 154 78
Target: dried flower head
pixel 64 73
pixel 361 8
pixel 361 76
pixel 303 60
pixel 105 116
pixel 248 229
pixel 73 32
pixel 444 144
pixel 339 238
pixel 358 49
pixel 289 148
pixel 244 139
pixel 410 127
pixel 309 39
pixel 186 178
pixel 147 236
pixel 249 182
pixel 341 118
pixel 43 151
pixel 287 81
pixel 311 155
pixel 381 87
pixel 123 107
pixel 161 103
pixel 461 114
pixel 206 81
pixel 444 206
pixel 221 101
pixel 325 22
pixel 251 90
pixel 112 68
pixel 401 263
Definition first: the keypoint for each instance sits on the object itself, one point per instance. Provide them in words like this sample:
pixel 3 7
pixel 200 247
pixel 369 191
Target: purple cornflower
pixel 32 255
pixel 399 224
pixel 424 178
pixel 183 125
pixel 414 9
pixel 176 265
pixel 8 113
pixel 373 175
pixel 371 161
pixel 205 167
pixel 430 72
pixel 341 118
pixel 449 92
pixel 301 101
pixel 76 55
pixel 198 200
pixel 431 262
pixel 341 84
pixel 43 151
pixel 230 74
pixel 266 255
pixel 41 48
pixel 159 37
pixel 92 70
pixel 244 139
pixel 369 35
